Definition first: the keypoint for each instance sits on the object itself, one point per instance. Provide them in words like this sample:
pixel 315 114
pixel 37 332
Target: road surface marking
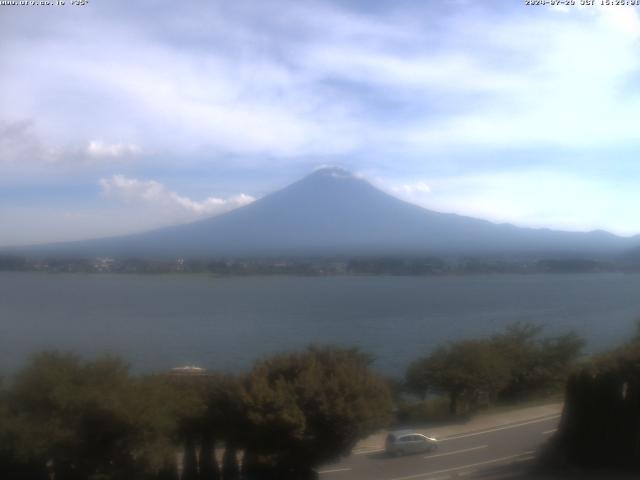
pixel 547 432
pixel 506 427
pixel 362 452
pixel 456 451
pixel 335 470
pixel 464 467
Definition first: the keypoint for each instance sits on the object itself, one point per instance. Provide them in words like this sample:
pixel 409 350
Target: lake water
pixel 158 322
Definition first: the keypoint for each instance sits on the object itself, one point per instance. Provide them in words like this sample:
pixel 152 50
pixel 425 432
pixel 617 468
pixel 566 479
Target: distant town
pixel 318 266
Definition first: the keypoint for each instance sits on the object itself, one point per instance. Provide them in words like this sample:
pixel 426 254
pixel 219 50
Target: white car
pixel 405 442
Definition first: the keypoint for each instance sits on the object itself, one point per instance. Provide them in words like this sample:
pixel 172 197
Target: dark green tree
pixel 600 426
pixel 230 467
pixel 226 420
pixel 12 464
pixel 519 343
pixel 538 365
pixel 468 371
pixel 636 336
pixel 72 413
pixel 418 379
pixel 193 434
pixel 304 409
pixel 169 471
pixel 189 460
pixel 208 466
pixel 209 409
pixel 87 419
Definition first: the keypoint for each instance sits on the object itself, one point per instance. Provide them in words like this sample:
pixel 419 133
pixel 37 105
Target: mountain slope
pixel 333 212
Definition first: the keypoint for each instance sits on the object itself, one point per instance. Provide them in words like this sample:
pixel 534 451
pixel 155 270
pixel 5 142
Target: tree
pixel 225 420
pixel 558 356
pixel 230 468
pixel 467 371
pixel 189 459
pixel 519 343
pixel 207 465
pixel 636 336
pixel 209 409
pixel 70 413
pixel 307 408
pixel 12 465
pixel 538 365
pixel 87 418
pixel 512 365
pixel 193 434
pixel 417 378
pixel 600 425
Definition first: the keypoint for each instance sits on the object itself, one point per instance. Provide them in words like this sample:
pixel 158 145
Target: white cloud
pixel 98 148
pixel 412 188
pixel 573 89
pixel 155 195
pixel 554 79
pixel 18 143
pixel 21 146
pixel 531 198
pixel 625 19
pixel 404 91
pixel 169 98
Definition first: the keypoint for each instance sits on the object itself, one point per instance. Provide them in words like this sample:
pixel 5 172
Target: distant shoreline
pixel 320 275
pixel 371 265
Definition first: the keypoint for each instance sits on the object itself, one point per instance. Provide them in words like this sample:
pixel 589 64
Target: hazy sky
pixel 120 116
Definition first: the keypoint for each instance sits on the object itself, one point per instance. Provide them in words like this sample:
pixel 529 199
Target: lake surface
pixel 158 322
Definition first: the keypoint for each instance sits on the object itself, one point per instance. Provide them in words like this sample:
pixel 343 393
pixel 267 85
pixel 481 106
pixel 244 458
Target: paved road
pixel 475 454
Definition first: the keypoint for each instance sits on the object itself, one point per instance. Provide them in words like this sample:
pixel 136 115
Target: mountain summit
pixel 331 211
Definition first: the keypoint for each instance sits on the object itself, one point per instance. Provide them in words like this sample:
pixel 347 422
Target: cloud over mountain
pixel 329 212
pixel 234 93
pixel 155 195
